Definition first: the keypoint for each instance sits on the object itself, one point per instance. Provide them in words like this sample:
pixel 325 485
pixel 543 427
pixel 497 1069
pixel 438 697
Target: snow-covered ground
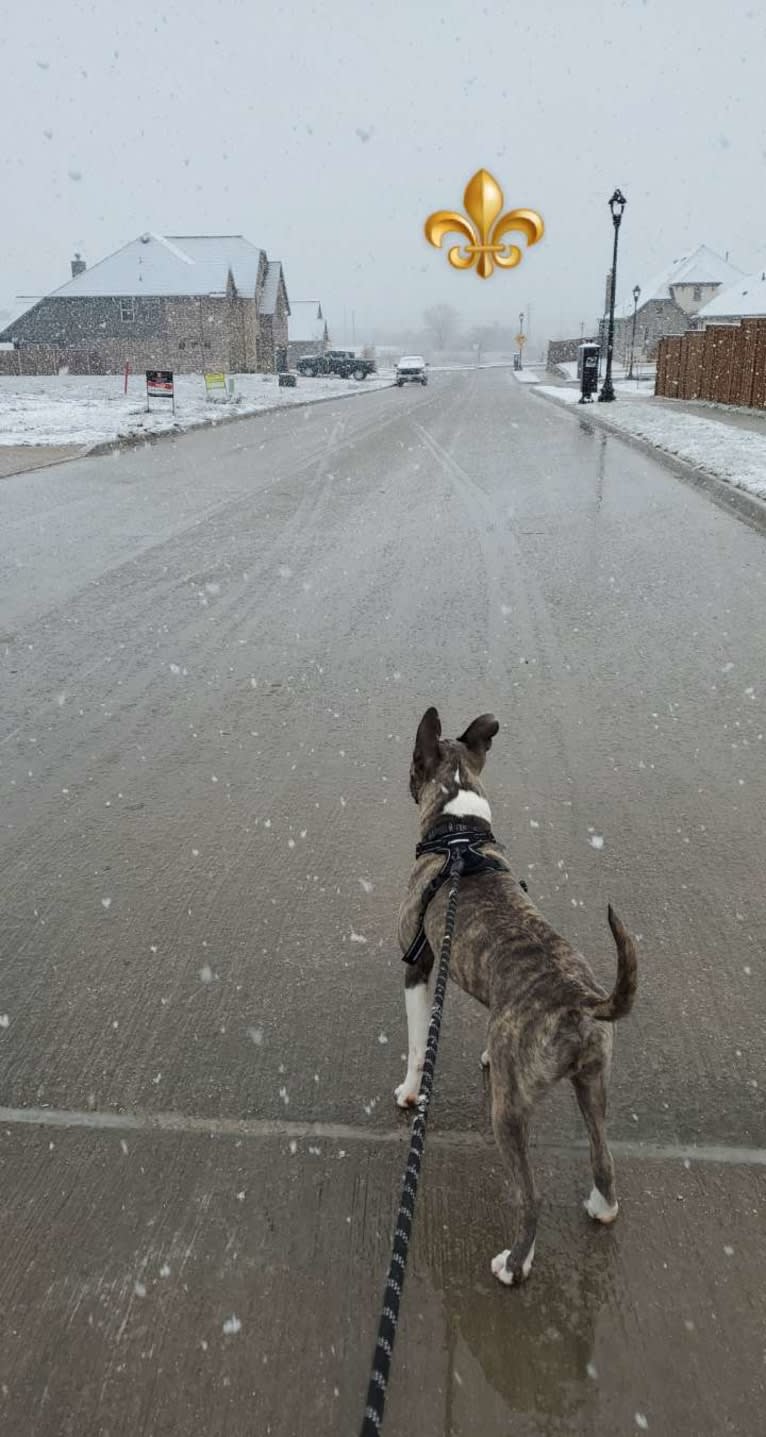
pixel 533 374
pixel 645 372
pixel 734 454
pixel 92 409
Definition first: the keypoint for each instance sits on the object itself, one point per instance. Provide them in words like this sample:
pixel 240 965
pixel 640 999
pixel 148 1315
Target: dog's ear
pixel 427 751
pixel 478 737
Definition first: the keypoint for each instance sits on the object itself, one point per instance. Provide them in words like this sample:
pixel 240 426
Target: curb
pixel 136 441
pixel 745 506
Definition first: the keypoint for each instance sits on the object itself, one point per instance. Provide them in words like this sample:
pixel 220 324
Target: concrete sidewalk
pixel 753 419
pixel 19 458
pixel 228 1284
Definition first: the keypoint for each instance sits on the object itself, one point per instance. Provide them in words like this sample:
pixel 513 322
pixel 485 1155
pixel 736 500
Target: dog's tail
pixel 620 1000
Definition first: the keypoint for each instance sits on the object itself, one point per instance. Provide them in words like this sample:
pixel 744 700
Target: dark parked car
pixel 342 362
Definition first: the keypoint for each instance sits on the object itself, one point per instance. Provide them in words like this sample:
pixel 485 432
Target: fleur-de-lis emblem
pixel 486 246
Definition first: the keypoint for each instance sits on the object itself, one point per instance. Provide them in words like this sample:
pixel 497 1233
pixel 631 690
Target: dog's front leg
pixel 417 998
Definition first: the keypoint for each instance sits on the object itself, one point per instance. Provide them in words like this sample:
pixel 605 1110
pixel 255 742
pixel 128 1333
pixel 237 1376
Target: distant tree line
pixel 442 330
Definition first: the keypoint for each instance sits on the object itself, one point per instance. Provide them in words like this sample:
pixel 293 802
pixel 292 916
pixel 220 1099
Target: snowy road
pixel 215 652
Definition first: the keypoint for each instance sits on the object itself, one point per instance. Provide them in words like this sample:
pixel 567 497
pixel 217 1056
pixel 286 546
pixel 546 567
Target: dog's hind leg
pixel 590 1091
pixel 510 1126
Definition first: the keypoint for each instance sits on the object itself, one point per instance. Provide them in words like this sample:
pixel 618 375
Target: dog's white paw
pixel 485 1058
pixel 406 1096
pixel 599 1209
pixel 504 1274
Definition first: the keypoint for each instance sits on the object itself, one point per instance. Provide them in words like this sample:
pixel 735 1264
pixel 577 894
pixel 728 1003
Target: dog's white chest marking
pixel 468 804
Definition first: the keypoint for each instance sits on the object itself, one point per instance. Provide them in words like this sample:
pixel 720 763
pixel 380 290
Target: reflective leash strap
pixel 389 1317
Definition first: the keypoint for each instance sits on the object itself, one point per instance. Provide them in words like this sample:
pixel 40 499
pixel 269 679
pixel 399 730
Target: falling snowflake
pixel 106 902
pixel 357 937
pixel 4 1020
pixel 232 1326
pixel 206 973
pixel 596 840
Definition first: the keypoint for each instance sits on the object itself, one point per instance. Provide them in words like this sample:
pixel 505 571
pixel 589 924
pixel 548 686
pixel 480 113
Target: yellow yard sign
pixel 215 386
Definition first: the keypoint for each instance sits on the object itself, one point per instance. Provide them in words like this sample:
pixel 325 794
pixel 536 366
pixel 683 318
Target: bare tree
pixel 442 322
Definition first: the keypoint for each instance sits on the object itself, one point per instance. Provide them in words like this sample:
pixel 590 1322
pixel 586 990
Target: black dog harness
pixel 461 847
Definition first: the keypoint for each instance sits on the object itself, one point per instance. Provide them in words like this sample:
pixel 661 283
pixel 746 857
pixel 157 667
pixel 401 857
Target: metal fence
pixel 725 363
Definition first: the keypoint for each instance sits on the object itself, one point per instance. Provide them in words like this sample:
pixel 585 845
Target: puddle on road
pixel 527 1352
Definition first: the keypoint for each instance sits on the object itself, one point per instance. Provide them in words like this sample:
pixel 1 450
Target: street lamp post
pixel 616 204
pixel 636 296
pixel 521 340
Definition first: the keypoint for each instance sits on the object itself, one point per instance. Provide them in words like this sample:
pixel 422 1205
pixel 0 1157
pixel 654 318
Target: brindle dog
pixel 548 1017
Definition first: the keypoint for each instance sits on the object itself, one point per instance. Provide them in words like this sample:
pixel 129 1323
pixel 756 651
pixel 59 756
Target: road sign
pixel 521 340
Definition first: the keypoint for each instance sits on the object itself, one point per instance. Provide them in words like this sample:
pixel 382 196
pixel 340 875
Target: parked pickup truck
pixel 411 369
pixel 342 362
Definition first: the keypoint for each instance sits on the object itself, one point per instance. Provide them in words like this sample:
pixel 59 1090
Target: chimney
pixel 78 265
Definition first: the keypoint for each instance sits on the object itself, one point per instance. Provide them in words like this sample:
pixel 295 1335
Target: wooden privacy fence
pixel 725 363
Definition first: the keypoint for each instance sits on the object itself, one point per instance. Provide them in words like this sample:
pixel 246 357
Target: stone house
pixel 669 301
pixel 183 302
pixel 307 330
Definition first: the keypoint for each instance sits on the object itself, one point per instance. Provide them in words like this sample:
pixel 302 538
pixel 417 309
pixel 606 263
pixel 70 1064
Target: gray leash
pixel 389 1317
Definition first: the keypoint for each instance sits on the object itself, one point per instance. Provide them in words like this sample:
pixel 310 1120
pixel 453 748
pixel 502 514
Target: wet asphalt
pixel 215 651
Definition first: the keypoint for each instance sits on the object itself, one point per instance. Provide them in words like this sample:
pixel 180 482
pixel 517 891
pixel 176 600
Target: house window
pixel 698 291
pixel 127 310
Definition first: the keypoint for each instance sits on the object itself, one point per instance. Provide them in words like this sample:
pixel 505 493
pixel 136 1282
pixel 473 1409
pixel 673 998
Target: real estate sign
pixel 215 386
pixel 159 385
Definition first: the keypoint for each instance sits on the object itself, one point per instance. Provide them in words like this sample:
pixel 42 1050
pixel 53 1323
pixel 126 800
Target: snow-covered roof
pixel 700 266
pixel 271 287
pixel 306 324
pixel 12 313
pixel 746 299
pixel 170 265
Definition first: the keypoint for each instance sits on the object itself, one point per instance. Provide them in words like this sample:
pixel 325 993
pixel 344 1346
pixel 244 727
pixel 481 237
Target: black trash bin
pixel 588 364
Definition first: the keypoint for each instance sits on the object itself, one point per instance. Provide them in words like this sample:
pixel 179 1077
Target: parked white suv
pixel 411 369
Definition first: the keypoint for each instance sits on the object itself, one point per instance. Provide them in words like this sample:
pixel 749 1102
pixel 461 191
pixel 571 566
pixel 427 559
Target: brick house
pixel 182 302
pixel 307 330
pixel 669 301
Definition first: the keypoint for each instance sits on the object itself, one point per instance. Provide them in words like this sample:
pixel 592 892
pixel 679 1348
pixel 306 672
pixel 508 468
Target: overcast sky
pixel 326 133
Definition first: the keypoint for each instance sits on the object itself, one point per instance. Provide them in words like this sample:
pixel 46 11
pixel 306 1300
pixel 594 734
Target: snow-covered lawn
pixel 92 409
pixel 734 454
